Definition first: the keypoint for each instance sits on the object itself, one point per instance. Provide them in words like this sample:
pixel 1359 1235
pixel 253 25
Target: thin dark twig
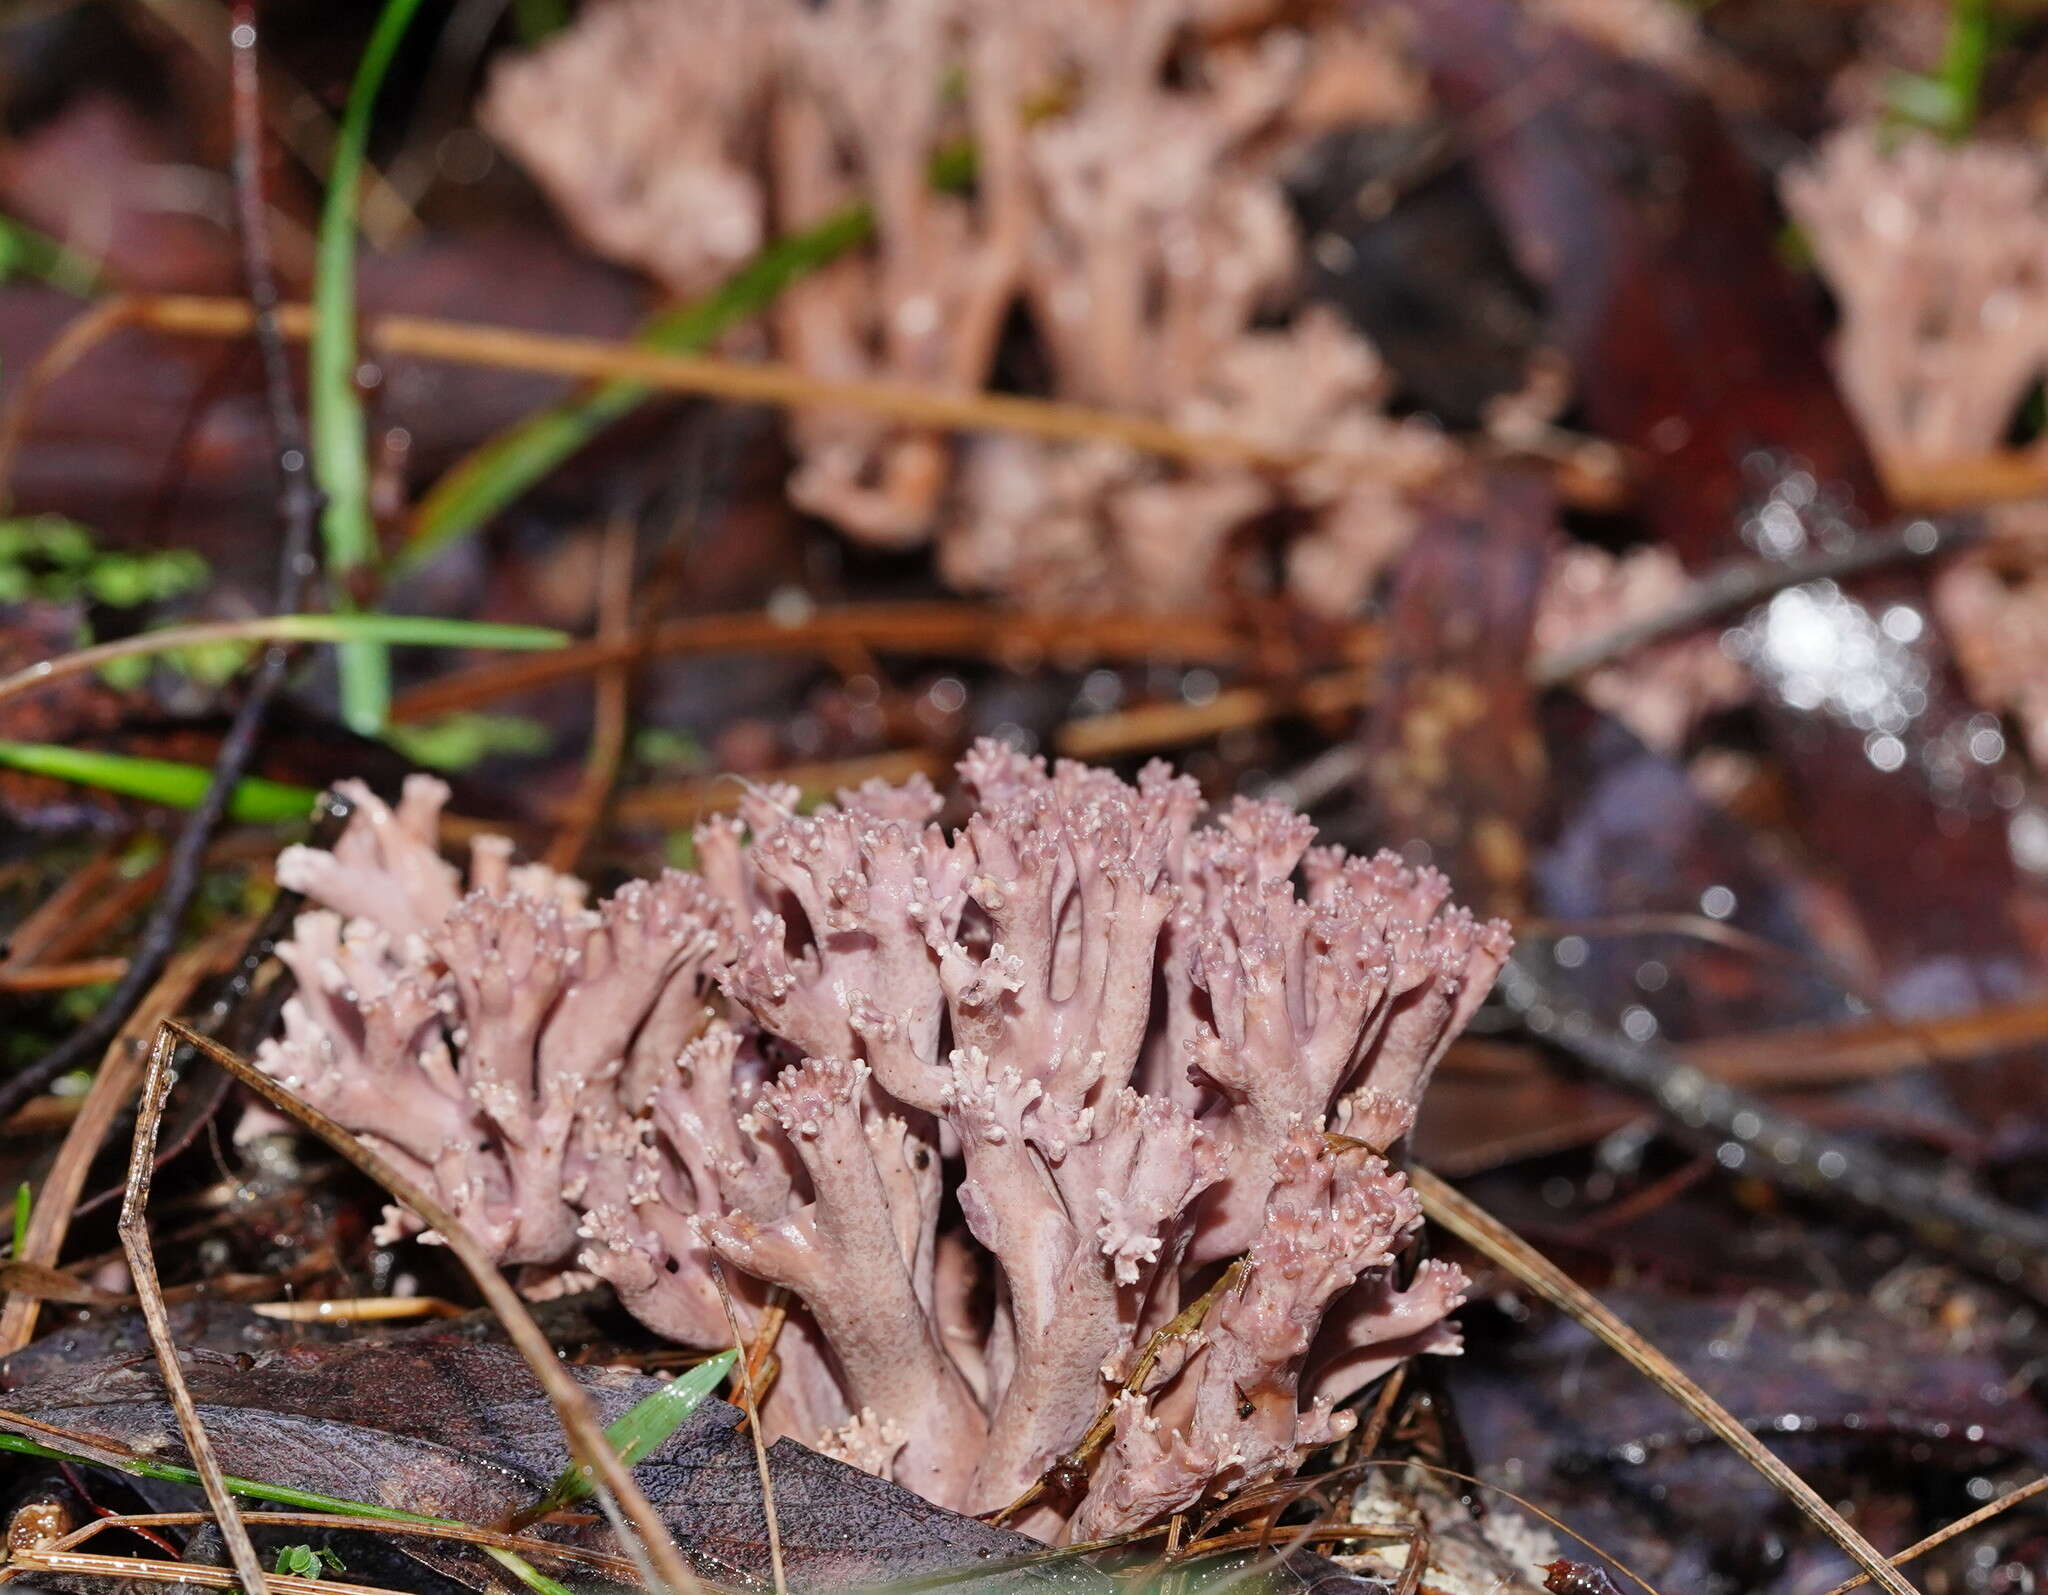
pixel 1740 583
pixel 239 1011
pixel 299 506
pixel 300 497
pixel 1717 592
pixel 134 1231
pixel 1743 1132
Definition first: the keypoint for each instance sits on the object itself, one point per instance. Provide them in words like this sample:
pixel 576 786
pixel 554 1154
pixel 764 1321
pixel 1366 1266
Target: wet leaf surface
pixel 1863 1398
pixel 452 1428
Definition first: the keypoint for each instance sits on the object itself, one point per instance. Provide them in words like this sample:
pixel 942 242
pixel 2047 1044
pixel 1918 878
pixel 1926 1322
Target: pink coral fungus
pixel 989 1107
pixel 676 135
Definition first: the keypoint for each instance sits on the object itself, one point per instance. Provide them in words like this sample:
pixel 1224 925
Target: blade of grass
pixel 285 1495
pixel 35 254
pixel 535 20
pixel 1965 54
pixel 24 1208
pixel 483 482
pixel 425 631
pixel 178 786
pixel 639 1433
pixel 337 428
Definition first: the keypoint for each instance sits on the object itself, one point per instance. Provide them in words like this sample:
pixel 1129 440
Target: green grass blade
pixel 422 631
pixel 535 20
pixel 24 1208
pixel 1964 56
pixel 284 1495
pixel 179 786
pixel 490 477
pixel 641 1431
pixel 523 1570
pixel 27 252
pixel 338 432
pixel 217 652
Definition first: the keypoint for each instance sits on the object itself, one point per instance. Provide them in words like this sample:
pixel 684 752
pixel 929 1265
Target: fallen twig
pixel 1740 583
pixel 298 118
pixel 185 864
pixel 1745 1133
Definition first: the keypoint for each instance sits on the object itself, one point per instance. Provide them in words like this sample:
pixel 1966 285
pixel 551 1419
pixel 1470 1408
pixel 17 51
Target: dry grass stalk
pixel 112 1085
pixel 62 977
pixel 572 1406
pixel 507 348
pixel 147 1570
pixel 1170 725
pixel 1184 1325
pixel 753 1395
pixel 461 1533
pixel 580 815
pixel 943 628
pixel 134 1232
pixel 357 1309
pixel 1479 1229
pixel 1962 1525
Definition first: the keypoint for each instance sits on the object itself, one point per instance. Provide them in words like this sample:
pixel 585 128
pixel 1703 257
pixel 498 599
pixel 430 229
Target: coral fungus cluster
pixel 678 135
pixel 990 1106
pixel 1934 252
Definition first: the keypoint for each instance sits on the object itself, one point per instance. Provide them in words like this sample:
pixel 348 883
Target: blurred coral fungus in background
pixel 739 740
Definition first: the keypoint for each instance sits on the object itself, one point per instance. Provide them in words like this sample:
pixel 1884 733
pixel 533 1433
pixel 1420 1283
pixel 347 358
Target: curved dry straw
pixel 1480 1229
pixel 423 630
pixel 586 1437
